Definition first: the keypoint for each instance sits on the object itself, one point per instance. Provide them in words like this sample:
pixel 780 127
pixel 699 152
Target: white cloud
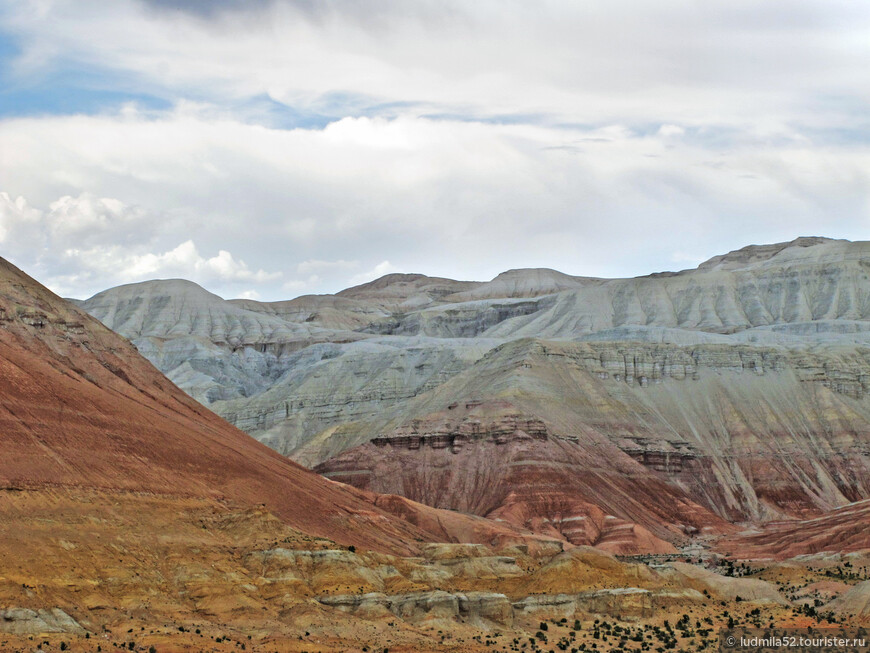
pixel 15 214
pixel 741 62
pixel 41 239
pixel 464 199
pixel 462 138
pixel 185 258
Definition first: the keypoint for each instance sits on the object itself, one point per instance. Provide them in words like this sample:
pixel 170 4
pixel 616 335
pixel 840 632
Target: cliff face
pixel 212 348
pixel 287 372
pixel 749 434
pixel 490 459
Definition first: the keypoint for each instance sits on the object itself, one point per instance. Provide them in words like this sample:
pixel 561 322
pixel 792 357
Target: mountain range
pixel 673 405
pixel 479 486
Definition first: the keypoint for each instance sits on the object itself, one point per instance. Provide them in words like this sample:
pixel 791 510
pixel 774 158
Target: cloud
pixel 184 259
pixel 14 215
pixel 317 140
pixel 671 130
pixel 42 239
pixel 738 63
pixel 445 197
pixel 84 219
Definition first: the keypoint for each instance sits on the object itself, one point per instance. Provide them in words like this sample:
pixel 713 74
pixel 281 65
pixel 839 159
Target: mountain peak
pixel 180 307
pixel 400 288
pixel 157 287
pixel 523 282
pixel 752 254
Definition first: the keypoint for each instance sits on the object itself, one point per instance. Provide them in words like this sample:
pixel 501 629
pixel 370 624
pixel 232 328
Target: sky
pixel 269 149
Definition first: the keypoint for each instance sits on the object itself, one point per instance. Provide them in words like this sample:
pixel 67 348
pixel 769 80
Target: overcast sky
pixel 272 149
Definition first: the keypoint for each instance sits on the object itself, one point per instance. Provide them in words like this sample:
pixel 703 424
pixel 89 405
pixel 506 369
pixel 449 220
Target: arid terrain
pixel 629 414
pixel 423 326
pixel 508 466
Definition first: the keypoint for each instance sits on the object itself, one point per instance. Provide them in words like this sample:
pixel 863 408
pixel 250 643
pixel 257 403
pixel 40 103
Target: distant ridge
pixel 756 253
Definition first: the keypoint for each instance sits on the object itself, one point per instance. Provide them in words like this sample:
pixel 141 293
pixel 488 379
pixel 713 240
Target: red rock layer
pixel 493 461
pixel 842 530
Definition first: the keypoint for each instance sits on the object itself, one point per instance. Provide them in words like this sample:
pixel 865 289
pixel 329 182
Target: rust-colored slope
pixel 80 407
pixel 844 529
pixel 492 460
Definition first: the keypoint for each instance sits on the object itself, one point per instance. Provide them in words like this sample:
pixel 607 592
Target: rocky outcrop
pixel 490 610
pixel 546 606
pixel 578 583
pixel 623 603
pixel 464 320
pixel 429 605
pixel 803 282
pixel 748 433
pixel 23 621
pixel 212 348
pixel 492 460
pixel 755 254
pixel 329 385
